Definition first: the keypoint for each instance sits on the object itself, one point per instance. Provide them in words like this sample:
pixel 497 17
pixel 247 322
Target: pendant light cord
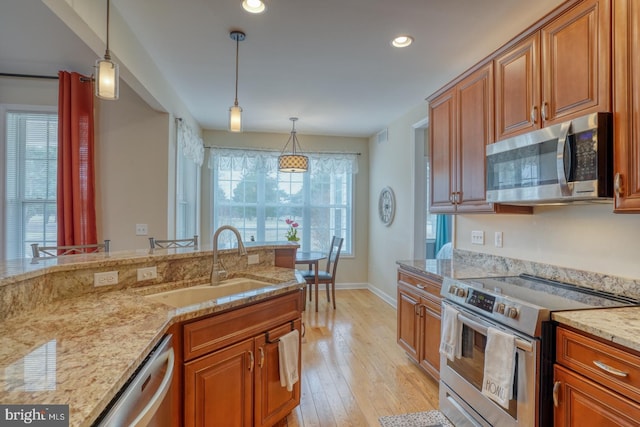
pixel 107 54
pixel 235 103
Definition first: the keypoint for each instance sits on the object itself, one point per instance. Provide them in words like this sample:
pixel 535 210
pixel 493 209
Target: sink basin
pixel 238 287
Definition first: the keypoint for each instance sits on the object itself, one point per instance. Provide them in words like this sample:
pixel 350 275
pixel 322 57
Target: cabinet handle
pixel 459 197
pixel 544 111
pixel 419 286
pixel 251 361
pixel 261 357
pixel 534 114
pixel 556 390
pixel 452 198
pixel 609 369
pixel 617 184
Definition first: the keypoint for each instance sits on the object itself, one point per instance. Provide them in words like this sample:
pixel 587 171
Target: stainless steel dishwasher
pixel 146 399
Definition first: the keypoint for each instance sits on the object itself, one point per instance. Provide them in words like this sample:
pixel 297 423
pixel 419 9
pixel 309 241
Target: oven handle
pixel 520 343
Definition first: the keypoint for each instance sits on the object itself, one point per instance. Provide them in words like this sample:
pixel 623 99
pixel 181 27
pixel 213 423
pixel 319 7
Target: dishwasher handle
pixel 150 409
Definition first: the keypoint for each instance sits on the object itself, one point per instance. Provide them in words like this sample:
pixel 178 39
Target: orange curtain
pixel 76 182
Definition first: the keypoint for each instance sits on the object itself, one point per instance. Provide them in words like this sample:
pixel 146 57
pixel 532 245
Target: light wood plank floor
pixel 353 372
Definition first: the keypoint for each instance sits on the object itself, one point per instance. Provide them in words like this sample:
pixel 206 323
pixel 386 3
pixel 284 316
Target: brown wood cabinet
pixel 419 320
pixel 557 72
pixel 461 126
pixel 595 383
pixel 626 95
pixel 231 367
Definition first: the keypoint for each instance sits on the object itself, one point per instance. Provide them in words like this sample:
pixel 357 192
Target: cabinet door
pixel 475 132
pixel 408 327
pixel 626 95
pixel 430 345
pixel 517 88
pixel 219 388
pixel 576 58
pixel 272 401
pixel 442 137
pixel 582 402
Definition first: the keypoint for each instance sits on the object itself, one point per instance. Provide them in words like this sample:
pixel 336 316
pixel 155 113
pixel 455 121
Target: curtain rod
pixel 277 151
pixel 39 76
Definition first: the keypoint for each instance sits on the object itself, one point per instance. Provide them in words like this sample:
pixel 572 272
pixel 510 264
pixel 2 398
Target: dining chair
pixel 43 252
pixel 328 276
pixel 173 243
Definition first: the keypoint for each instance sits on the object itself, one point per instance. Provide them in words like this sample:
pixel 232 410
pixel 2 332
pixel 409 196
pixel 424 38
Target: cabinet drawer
pixel 422 283
pixel 595 360
pixel 218 331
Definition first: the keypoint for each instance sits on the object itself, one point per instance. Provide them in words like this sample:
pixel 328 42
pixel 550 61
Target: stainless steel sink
pixel 237 288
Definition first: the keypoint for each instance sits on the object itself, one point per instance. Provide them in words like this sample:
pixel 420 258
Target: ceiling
pixel 328 62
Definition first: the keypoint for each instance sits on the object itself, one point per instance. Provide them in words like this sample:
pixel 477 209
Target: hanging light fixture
pixel 107 73
pixel 235 111
pixel 293 162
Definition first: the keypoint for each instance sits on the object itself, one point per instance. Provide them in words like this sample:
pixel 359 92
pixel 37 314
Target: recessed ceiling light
pixel 254 6
pixel 402 41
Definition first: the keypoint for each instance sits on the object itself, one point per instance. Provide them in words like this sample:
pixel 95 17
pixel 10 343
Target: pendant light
pixel 293 162
pixel 107 73
pixel 235 112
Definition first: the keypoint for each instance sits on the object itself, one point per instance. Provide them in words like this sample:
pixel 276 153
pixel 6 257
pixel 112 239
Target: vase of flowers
pixel 292 232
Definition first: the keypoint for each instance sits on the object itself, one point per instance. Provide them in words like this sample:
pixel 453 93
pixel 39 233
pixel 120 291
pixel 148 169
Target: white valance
pixel 190 143
pixel 265 160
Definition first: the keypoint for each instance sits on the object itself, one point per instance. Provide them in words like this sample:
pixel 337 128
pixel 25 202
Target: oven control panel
pixel 481 300
pixel 496 305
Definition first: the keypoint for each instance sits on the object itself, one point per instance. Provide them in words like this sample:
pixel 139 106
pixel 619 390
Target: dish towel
pixel 499 364
pixel 288 354
pixel 451 333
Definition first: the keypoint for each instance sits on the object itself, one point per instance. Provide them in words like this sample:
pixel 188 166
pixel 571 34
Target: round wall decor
pixel 386 206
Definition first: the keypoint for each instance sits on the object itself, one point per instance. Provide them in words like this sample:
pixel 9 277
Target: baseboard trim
pixel 391 300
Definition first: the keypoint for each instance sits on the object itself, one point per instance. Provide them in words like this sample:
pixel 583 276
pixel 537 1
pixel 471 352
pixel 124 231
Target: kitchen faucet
pixel 216 271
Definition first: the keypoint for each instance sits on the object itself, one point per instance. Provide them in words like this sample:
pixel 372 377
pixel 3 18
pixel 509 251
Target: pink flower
pixel 288 221
pixel 294 224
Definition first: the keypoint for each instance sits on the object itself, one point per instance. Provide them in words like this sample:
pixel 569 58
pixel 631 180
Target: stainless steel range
pixel 520 306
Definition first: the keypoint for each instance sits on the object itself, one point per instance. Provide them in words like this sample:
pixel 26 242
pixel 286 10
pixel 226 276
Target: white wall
pixel 351 270
pixel 133 146
pixel 584 237
pixel 393 163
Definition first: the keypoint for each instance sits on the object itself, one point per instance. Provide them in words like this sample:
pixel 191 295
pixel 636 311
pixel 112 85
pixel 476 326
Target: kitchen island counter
pixel 81 349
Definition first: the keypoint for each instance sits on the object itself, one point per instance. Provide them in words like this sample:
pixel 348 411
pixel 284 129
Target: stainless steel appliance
pixel 521 306
pixel 146 398
pixel 567 162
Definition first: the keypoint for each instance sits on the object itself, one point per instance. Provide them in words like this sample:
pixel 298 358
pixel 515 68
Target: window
pixel 254 197
pixel 190 156
pixel 31 176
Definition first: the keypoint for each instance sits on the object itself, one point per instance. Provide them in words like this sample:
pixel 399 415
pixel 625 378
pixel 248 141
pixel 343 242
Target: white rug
pixel 416 419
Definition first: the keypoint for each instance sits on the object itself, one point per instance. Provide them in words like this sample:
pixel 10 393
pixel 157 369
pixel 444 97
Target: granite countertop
pixel 618 325
pixel 80 351
pixel 441 268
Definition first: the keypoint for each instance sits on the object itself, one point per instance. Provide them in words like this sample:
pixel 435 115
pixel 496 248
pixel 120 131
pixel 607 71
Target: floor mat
pixel 416 419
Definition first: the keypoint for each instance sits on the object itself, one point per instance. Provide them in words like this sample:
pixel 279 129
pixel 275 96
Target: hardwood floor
pixel 353 372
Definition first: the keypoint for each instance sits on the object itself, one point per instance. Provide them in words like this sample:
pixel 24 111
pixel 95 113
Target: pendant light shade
pixel 296 161
pixel 107 73
pixel 235 111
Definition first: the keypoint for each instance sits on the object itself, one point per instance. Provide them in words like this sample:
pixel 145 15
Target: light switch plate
pixel 253 259
pixel 107 278
pixel 147 273
pixel 142 229
pixel 477 237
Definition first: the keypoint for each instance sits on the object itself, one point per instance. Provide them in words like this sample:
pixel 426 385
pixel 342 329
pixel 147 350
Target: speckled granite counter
pixel 440 268
pixel 80 350
pixel 618 325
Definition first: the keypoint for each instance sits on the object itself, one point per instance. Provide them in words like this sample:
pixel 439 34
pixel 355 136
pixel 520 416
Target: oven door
pixel 461 398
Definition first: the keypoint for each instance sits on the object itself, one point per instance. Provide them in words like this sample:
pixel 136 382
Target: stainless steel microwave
pixel 567 162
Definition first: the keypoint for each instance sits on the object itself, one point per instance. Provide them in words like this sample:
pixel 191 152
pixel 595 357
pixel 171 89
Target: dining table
pixel 311 259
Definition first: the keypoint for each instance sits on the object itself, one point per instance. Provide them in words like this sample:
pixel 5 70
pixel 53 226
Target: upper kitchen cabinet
pixel 461 126
pixel 626 100
pixel 559 71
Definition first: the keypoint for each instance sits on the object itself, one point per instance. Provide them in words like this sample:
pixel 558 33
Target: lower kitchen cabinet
pixel 231 368
pixel 595 384
pixel 419 316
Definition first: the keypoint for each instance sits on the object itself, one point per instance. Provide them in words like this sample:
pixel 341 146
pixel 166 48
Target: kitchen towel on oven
pixel 451 333
pixel 499 364
pixel 288 353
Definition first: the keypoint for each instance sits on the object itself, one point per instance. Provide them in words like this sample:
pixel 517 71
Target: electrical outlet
pixel 147 273
pixel 108 278
pixel 142 229
pixel 253 259
pixel 477 237
pixel 498 239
